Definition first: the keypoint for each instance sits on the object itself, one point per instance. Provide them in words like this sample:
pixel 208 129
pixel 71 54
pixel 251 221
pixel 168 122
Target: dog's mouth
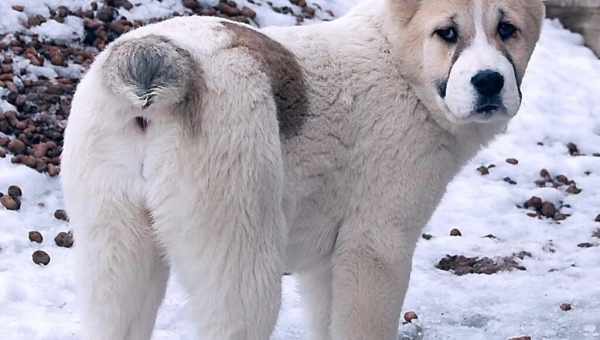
pixel 489 109
pixel 489 114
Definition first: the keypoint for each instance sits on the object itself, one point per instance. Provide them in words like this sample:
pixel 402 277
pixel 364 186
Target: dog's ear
pixel 536 10
pixel 403 9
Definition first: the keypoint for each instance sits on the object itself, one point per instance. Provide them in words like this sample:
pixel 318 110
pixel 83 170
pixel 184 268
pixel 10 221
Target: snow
pixel 561 105
pixel 12 21
pixel 71 29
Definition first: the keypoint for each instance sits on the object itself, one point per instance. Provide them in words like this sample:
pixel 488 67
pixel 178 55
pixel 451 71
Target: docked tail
pixel 150 70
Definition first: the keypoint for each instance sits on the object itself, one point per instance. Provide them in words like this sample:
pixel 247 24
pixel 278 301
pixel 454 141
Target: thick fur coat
pixel 231 156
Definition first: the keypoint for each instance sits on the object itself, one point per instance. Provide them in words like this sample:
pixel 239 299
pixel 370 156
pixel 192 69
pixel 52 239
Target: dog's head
pixel 468 56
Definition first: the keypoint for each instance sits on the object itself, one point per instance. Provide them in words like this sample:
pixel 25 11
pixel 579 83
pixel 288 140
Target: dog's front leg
pixel 370 279
pixel 373 252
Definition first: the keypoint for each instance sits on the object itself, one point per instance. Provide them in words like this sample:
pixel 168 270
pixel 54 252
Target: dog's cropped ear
pixel 404 10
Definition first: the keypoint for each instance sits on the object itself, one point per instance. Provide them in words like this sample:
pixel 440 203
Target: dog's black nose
pixel 488 83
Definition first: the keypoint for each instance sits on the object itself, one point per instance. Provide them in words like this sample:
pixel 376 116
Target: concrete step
pixel 581 16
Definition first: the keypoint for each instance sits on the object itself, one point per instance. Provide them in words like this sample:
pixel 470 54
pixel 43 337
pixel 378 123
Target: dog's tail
pixel 149 70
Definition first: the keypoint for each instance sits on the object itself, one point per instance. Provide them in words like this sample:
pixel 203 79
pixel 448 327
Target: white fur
pixel 229 209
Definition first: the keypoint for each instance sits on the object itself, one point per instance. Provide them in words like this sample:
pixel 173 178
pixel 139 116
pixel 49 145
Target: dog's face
pixel 468 56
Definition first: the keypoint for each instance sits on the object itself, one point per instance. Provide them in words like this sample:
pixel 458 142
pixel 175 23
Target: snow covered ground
pixel 561 106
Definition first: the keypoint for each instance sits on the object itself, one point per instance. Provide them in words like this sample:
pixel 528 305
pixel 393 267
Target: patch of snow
pixel 10 19
pixel 71 29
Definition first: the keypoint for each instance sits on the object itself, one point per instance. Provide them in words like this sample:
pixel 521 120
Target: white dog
pixel 233 155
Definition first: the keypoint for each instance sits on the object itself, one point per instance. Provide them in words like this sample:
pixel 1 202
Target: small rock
pixel 106 13
pixel 60 214
pixel 62 11
pixel 64 239
pixel 562 179
pixel 230 11
pixel 309 11
pixel 15 192
pixel 483 170
pixel 299 3
pixel 10 203
pixel 427 236
pixel 548 209
pixel 455 232
pixel 573 189
pixel 191 4
pixel 565 307
pixel 410 316
pixel 573 149
pixel 36 20
pixel 18 8
pixel 586 245
pixel 509 181
pixel 248 12
pixel 36 236
pixel 597 218
pixel 534 203
pixel 545 174
pixel 208 11
pixel 40 257
pixel 512 161
pixel 58 60
pixel 521 338
pixel 53 170
pixel 16 146
pixel 490 236
pixel 121 3
pixel 119 27
pixel 30 161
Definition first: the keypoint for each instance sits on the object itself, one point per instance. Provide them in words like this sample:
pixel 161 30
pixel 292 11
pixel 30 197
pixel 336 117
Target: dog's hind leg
pixel 218 208
pixel 227 250
pixel 122 275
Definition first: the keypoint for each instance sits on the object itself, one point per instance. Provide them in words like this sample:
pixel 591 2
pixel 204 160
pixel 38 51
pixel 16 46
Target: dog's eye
pixel 449 35
pixel 506 30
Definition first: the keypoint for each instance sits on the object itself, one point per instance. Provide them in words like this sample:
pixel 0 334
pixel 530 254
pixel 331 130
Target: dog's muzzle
pixel 488 85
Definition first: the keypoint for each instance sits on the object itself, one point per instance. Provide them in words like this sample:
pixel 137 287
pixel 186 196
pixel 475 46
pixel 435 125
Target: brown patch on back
pixel 284 71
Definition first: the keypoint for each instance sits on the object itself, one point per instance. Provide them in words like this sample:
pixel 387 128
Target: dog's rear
pixel 139 186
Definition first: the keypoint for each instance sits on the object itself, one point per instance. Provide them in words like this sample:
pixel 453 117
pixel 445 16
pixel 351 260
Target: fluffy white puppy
pixel 232 155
